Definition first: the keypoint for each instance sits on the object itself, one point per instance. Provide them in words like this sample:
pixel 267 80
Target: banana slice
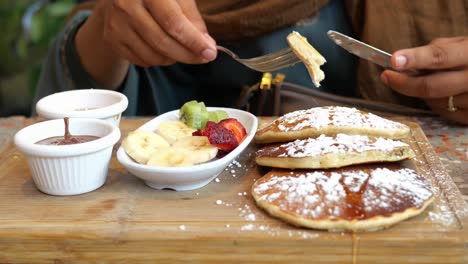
pixel 140 144
pixel 186 151
pixel 199 146
pixel 171 157
pixel 173 130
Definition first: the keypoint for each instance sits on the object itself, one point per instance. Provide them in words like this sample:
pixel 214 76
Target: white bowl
pixel 68 169
pixel 86 103
pixel 191 177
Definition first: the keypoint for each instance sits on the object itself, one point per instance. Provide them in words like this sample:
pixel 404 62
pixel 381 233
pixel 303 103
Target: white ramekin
pixel 68 169
pixel 86 103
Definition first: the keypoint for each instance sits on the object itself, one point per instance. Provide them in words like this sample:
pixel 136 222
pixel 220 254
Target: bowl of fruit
pixel 185 149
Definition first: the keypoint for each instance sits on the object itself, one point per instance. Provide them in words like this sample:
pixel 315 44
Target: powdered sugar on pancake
pixel 345 194
pixel 326 144
pixel 404 182
pixel 338 116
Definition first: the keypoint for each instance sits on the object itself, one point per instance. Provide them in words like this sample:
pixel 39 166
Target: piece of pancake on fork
pixel 335 151
pixel 329 120
pixel 311 58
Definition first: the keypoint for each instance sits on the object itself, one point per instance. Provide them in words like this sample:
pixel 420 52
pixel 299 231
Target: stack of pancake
pixel 336 168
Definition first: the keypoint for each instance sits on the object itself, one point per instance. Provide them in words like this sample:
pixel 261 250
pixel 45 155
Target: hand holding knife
pixel 364 50
pixel 435 72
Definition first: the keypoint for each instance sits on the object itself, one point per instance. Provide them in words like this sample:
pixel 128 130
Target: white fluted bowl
pixel 68 169
pixel 85 103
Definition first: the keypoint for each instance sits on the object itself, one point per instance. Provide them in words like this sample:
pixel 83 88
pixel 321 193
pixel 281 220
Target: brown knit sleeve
pixel 239 19
pixel 229 20
pixel 355 10
pixel 391 25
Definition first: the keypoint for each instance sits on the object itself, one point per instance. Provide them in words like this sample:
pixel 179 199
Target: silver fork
pixel 266 63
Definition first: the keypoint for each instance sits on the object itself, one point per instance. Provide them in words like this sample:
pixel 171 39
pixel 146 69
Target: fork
pixel 266 63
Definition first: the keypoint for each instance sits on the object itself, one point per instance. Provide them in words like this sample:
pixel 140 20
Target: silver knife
pixel 361 49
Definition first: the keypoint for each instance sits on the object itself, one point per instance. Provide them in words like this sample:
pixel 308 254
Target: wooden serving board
pixel 126 221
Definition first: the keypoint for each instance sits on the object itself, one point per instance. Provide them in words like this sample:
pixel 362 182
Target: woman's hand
pixel 445 64
pixel 156 32
pixel 141 32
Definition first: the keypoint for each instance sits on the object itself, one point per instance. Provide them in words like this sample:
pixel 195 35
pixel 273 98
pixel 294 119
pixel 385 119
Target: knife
pixel 361 49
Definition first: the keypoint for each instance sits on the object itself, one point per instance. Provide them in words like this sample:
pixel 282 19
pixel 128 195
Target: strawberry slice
pixel 198 132
pixel 219 136
pixel 221 154
pixel 236 127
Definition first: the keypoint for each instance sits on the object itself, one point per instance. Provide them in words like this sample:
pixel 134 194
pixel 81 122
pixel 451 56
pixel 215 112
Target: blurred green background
pixel 28 28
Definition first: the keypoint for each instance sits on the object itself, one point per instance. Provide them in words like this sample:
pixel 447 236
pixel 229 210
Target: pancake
pixel 364 198
pixel 311 58
pixel 329 120
pixel 332 152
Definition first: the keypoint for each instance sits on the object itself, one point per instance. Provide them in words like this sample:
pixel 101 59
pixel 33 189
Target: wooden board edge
pixel 444 180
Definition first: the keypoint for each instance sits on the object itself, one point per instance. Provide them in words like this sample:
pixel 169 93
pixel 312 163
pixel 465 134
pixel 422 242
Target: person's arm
pixel 102 64
pixel 141 32
pixel 444 83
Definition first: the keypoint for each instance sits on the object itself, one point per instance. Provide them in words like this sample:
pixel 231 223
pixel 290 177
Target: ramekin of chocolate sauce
pixel 67 138
pixel 64 166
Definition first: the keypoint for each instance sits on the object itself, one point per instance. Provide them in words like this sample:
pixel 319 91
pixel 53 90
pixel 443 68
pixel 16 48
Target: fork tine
pixel 274 68
pixel 276 60
pixel 268 62
pixel 291 60
pixel 288 59
pixel 267 57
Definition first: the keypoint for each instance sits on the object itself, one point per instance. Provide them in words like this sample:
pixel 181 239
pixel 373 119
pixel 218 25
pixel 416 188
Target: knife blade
pixel 361 49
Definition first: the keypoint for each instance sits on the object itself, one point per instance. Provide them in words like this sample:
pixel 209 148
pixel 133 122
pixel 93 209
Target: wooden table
pixel 126 221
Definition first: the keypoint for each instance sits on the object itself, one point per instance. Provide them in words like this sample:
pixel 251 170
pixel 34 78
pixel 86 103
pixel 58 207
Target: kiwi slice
pixel 194 114
pixel 217 115
pixel 204 114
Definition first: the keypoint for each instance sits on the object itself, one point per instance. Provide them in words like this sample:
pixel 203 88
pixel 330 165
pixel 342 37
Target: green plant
pixel 24 41
pixel 10 18
pixel 21 46
pixel 47 22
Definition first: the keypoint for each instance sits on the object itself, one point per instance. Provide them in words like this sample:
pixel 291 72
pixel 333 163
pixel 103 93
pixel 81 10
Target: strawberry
pixel 203 132
pixel 197 132
pixel 235 127
pixel 219 136
pixel 221 154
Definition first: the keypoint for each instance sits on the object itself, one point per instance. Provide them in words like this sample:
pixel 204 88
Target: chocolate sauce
pixel 67 139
